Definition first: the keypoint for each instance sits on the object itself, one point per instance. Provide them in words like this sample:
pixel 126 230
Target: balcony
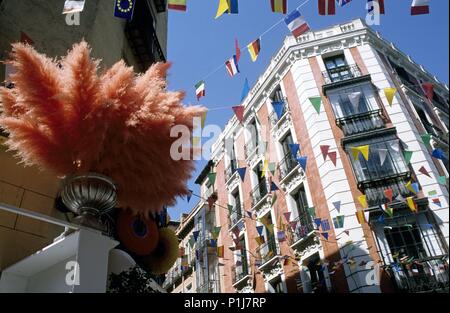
pixel 374 189
pixel 360 123
pixel 342 76
pixel 286 166
pixel 422 276
pixel 236 214
pixel 267 251
pixel 303 230
pixel 230 170
pixel 211 286
pixel 259 192
pixel 240 273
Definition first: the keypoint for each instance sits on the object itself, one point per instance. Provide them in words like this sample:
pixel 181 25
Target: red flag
pixel 424 171
pixel 238 50
pixel 429 90
pixel 324 150
pixel 381 3
pixel 333 156
pixel 389 194
pixel 239 111
pixel 327 7
pixel 287 216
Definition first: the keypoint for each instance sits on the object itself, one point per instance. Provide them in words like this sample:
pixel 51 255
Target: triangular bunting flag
pixel 424 171
pixel 333 157
pixel 312 211
pixel 360 217
pixel 426 139
pixel 389 93
pixel 407 155
pixel 281 236
pixel 200 90
pixel 239 112
pixel 438 154
pixel 354 98
pixel 432 192
pixel 363 201
pixel 212 178
pixel 338 221
pixel 325 235
pixel 293 224
pixel 245 90
pixel 316 103
pixel 287 216
pixel 409 186
pixel 389 193
pixel 260 229
pixel 295 147
pixel 236 43
pixel 381 219
pixel 195 234
pixel 259 240
pixel 223 7
pixel 302 161
pixel 249 214
pixel 189 195
pixel 274 187
pixel 241 171
pixel 437 202
pixel 324 149
pixel 318 222
pixel 411 204
pixel 382 154
pixel 429 90
pixel 337 205
pixel 278 107
pixel 364 150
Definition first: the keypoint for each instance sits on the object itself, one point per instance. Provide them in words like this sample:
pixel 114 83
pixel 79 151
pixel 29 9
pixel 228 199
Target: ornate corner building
pixel 387 246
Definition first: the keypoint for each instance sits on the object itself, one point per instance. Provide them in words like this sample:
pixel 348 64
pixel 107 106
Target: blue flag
pixel 337 205
pixel 124 9
pixel 302 161
pixel 318 222
pixel 415 186
pixel 294 148
pixel 241 172
pixel 438 154
pixel 274 187
pixel 325 235
pixel 189 195
pixel 278 107
pixel 196 233
pixel 381 219
pixel 260 229
pixel 245 90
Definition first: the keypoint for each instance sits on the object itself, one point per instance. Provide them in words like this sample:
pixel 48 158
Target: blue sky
pixel 198 44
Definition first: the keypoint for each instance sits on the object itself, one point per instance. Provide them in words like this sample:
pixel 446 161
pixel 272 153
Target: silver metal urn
pixel 90 196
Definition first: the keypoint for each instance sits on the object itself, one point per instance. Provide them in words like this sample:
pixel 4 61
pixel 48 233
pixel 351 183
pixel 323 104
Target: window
pixel 236 211
pixel 313 275
pixel 343 107
pixel 260 189
pixel 277 95
pixel 241 260
pixel 372 169
pixel 337 68
pixel 253 140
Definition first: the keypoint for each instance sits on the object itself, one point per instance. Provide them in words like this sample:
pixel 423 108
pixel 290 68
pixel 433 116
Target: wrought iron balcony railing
pixel 240 272
pixel 304 227
pixel 286 165
pixel 267 250
pixel 259 192
pixel 341 73
pixel 235 215
pixel 211 286
pixel 360 123
pixel 374 189
pixel 230 170
pixel 422 275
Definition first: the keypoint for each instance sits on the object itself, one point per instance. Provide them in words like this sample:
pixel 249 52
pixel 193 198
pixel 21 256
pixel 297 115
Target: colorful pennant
pixel 239 112
pixel 296 23
pixel 389 93
pixel 254 48
pixel 245 89
pixel 316 103
pixel 294 147
pixel 411 204
pixel 364 150
pixel 222 8
pixel 382 153
pixel 278 6
pixel 389 193
pixel 241 171
pixel 324 149
pixel 278 107
pixel 407 155
pixel 337 206
pixel 124 9
pixel 426 138
pixel 178 5
pixel 333 157
pixel 424 171
pixel 419 7
pixel 212 177
pixel 232 66
pixel 338 221
pixel 233 7
pixel 438 154
pixel 302 161
pixel 200 90
pixel 326 7
pixel 363 200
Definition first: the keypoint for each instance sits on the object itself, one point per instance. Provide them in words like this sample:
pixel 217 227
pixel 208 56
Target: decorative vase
pixel 90 196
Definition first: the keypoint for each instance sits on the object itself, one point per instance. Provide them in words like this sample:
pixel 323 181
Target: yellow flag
pixel 365 151
pixel 195 141
pixel 389 93
pixel 265 168
pixel 409 187
pixel 223 7
pixel 360 216
pixel 411 204
pixel 355 152
pixel 203 119
pixel 363 201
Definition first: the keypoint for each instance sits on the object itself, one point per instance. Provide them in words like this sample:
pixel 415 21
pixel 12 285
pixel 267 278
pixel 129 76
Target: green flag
pixel 312 211
pixel 316 102
pixel 426 139
pixel 212 178
pixel 442 180
pixel 407 155
pixel 215 232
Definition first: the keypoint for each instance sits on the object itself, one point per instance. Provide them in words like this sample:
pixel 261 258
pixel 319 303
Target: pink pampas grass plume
pixel 64 117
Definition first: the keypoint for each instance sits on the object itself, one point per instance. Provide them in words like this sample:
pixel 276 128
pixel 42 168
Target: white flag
pixel 354 98
pixel 395 145
pixel 383 154
pixel 73 6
